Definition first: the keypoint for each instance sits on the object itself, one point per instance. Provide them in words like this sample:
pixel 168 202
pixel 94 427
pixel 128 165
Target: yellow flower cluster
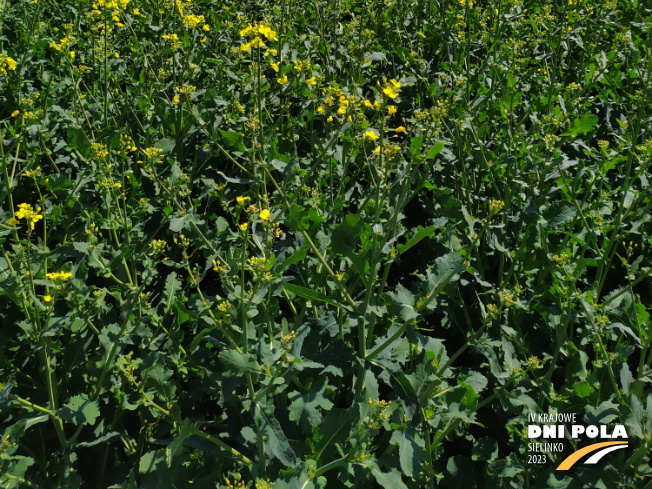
pixel 154 154
pixel 127 143
pixel 173 39
pixel 302 65
pixel 258 29
pixel 63 43
pixel 63 276
pixel 158 246
pixel 7 63
pixel 110 4
pixel 390 88
pixel 191 21
pixel 348 105
pixel 99 150
pixel 113 5
pixel 27 212
pixel 186 89
pixel 32 173
pixel 376 105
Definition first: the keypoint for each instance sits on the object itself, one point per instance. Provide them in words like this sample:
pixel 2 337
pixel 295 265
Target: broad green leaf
pixel 583 389
pixel 415 146
pixel 434 150
pixel 445 270
pixel 309 294
pixel 306 408
pixel 508 467
pixel 172 287
pixel 166 144
pixel 345 237
pixel 410 449
pixel 239 363
pixel 276 443
pixel 475 381
pixel 626 378
pixel 233 139
pixel 80 410
pixel 582 125
pixel 388 480
pixel 404 299
pixel 421 234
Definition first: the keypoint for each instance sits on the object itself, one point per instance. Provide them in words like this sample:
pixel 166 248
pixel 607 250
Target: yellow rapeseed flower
pixel 242 201
pixel 283 80
pixel 27 212
pixel 264 214
pixel 391 88
pixel 47 298
pixel 399 129
pixel 15 113
pixel 243 226
pixel 257 42
pixel 391 109
pixel 63 276
pixel 311 81
pixel 275 66
pixel 370 135
pixel 390 93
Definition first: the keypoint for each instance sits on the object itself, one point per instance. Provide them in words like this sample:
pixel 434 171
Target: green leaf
pixel 309 294
pixel 345 237
pixel 80 410
pixel 582 125
pixel 475 381
pixel 166 144
pixel 506 467
pixel 415 146
pixel 172 286
pixel 626 378
pixel 446 268
pixel 233 139
pixel 421 234
pixel 434 150
pixel 560 213
pixel 634 419
pixel 410 451
pixel 178 223
pixel 239 363
pixel 388 480
pixel 404 299
pixel 276 443
pixel 583 389
pixel 296 257
pixel 305 407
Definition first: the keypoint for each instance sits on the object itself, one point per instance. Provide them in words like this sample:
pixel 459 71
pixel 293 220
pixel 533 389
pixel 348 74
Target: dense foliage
pixel 299 244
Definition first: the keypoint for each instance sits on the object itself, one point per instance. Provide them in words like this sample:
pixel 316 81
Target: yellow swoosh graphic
pixel 574 457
